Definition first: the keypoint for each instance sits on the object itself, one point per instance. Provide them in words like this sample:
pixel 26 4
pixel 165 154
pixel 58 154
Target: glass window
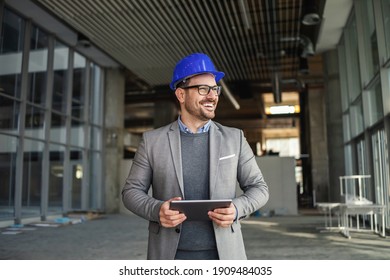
pixel 77 133
pixel 348 160
pixel 95 180
pixel 343 76
pixel 381 167
pixel 34 122
pixel 361 161
pixel 61 139
pixel 284 147
pixel 11 49
pixel 9 116
pixel 356 118
pixel 58 128
pixel 57 155
pixel 32 178
pixel 8 147
pixel 79 68
pixel 76 158
pixel 352 58
pixel 346 128
pixel 386 23
pixel 37 66
pixel 370 39
pixel 61 55
pixel 375 104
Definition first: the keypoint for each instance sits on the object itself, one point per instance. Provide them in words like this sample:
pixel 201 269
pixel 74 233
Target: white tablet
pixel 196 210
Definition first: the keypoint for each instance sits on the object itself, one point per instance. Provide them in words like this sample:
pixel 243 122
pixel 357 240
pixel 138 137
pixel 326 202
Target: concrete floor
pixel 124 237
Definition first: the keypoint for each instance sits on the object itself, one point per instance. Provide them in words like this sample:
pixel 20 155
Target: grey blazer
pixel 158 164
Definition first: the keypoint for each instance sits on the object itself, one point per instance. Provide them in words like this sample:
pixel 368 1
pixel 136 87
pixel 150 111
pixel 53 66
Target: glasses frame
pixel 216 89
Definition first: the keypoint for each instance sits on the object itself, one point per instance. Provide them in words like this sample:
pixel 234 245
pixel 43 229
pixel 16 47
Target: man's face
pixel 201 107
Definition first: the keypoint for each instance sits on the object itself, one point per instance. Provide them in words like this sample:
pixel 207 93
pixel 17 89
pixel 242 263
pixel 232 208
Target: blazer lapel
pixel 215 146
pixel 175 146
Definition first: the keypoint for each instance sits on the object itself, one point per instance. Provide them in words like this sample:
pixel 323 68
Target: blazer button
pixel 177 230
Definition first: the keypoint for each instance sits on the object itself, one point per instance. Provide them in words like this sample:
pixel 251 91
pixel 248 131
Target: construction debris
pixel 86 215
pixel 71 218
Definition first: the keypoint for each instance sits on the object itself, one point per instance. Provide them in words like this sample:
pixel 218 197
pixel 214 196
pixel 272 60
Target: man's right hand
pixel 170 218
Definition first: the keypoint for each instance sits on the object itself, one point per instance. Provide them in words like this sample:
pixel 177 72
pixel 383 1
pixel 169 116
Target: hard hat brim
pixel 218 76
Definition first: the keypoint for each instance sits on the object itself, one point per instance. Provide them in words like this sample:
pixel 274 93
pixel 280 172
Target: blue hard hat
pixel 194 64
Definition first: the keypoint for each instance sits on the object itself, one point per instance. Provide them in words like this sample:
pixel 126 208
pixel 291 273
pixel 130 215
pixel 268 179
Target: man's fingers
pixel 170 218
pixel 223 217
pixel 172 221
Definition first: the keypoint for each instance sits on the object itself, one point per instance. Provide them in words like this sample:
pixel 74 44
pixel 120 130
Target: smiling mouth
pixel 209 106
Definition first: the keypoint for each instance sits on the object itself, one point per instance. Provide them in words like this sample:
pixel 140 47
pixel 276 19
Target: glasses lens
pixel 203 90
pixel 217 89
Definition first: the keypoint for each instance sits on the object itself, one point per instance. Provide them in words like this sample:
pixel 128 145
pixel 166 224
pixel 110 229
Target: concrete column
pixel 164 113
pixel 114 107
pixel 334 122
pixel 318 144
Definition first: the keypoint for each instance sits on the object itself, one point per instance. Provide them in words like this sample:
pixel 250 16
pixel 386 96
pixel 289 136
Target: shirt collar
pixel 185 129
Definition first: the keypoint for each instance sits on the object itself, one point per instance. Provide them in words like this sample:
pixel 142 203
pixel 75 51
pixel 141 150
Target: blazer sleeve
pixel 135 191
pixel 250 178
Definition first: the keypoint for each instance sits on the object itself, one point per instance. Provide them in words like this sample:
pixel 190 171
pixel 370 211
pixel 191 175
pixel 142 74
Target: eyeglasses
pixel 205 89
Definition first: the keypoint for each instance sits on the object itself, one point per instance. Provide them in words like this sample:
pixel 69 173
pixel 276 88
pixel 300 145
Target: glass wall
pixel 56 178
pixel 11 51
pixel 352 56
pixel 32 179
pixel 51 123
pixel 364 76
pixel 375 104
pixel 370 39
pixel 385 7
pixel 60 72
pixel 8 148
pixel 11 54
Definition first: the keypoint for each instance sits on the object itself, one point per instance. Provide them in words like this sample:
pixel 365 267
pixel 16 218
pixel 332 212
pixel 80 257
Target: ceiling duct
pixel 310 13
pixel 308 49
pixel 305 43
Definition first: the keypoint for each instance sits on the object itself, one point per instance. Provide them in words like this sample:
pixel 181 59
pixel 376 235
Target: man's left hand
pixel 223 217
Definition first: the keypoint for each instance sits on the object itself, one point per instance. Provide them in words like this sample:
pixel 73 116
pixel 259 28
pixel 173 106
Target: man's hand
pixel 170 218
pixel 223 217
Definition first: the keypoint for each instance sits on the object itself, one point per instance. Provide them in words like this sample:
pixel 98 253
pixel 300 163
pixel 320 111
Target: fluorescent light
pixel 284 109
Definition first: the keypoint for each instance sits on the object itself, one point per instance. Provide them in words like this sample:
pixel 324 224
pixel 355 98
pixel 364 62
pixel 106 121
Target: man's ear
pixel 179 92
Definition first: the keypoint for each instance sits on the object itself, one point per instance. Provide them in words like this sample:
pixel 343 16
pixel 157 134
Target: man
pixel 194 158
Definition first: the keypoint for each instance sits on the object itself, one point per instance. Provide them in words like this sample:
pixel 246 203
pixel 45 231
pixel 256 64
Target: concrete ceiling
pixel 258 44
pixel 252 41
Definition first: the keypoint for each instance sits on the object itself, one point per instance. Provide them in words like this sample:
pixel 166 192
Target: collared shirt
pixel 185 129
pixel 205 128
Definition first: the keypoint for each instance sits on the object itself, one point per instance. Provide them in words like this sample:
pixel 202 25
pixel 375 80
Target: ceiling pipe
pixel 229 95
pixel 243 5
pixel 303 66
pixel 276 88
